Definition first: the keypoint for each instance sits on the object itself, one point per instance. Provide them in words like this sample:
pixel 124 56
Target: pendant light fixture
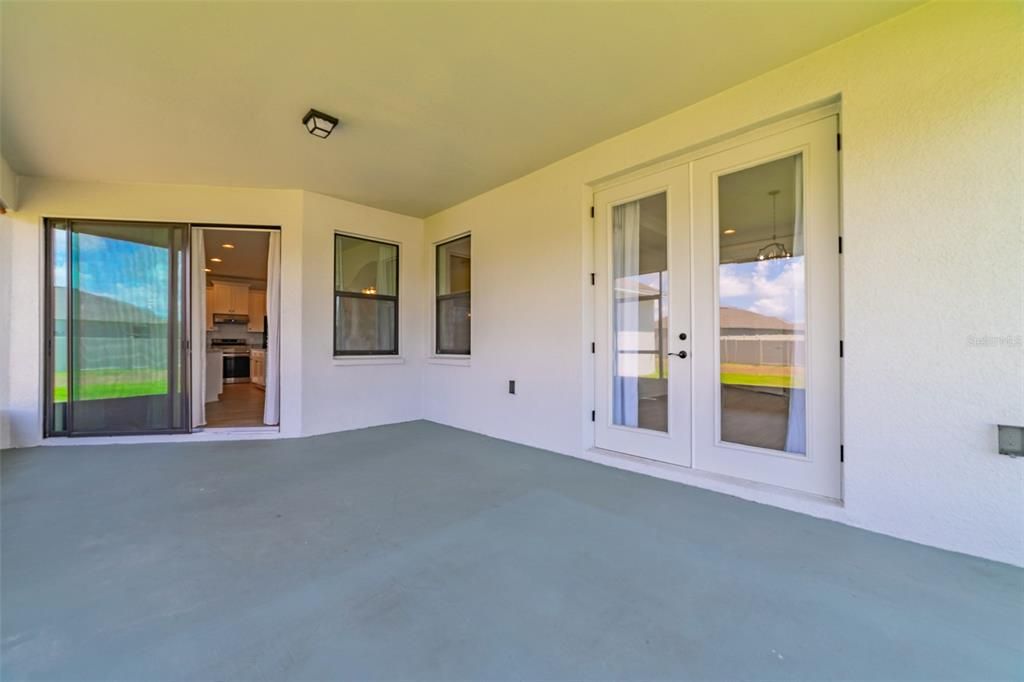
pixel 775 249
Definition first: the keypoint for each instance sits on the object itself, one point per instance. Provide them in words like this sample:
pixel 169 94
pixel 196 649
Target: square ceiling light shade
pixel 318 123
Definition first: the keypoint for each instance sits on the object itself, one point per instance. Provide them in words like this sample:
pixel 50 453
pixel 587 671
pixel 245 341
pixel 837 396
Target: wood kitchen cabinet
pixel 229 298
pixel 209 309
pixel 257 309
pixel 257 368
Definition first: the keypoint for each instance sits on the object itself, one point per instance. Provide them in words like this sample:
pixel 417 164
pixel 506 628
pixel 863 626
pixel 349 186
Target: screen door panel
pixel 118 362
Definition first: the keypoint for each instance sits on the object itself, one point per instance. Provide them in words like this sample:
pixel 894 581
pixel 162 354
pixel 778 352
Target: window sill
pixel 357 360
pixel 454 360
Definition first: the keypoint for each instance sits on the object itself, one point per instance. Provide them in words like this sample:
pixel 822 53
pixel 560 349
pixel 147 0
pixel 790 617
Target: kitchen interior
pixel 236 326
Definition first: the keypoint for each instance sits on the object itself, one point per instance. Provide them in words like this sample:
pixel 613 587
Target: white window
pixel 365 296
pixel 452 310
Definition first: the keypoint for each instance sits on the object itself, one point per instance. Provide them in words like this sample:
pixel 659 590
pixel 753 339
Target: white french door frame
pixel 817 470
pixel 672 445
pixel 594 298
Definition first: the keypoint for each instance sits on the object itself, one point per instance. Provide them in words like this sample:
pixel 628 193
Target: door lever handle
pixel 680 354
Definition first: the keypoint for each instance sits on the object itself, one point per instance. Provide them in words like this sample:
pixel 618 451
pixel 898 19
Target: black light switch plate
pixel 512 386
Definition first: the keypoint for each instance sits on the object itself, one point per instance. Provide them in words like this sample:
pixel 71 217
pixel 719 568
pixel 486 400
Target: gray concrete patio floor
pixel 421 551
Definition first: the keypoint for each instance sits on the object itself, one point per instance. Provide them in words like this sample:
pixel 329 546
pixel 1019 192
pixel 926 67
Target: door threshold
pixel 785 498
pixel 237 429
pixel 226 433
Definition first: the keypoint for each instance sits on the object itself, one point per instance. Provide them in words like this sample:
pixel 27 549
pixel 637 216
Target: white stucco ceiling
pixel 438 101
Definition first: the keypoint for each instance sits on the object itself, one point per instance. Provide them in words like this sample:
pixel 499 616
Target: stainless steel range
pixel 236 359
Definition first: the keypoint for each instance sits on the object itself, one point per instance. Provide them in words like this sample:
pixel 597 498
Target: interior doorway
pixel 235 288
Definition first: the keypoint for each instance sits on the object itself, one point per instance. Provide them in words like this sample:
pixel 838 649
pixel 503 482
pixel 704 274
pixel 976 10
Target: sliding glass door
pixel 117 357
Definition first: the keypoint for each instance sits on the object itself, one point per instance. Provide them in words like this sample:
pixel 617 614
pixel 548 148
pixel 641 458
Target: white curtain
pixel 272 373
pixel 198 328
pixel 796 426
pixel 626 311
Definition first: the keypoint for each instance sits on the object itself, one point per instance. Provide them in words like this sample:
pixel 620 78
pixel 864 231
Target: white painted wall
pixel 352 393
pixel 932 215
pixel 317 395
pixel 41 198
pixel 8 180
pixel 932 104
pixel 8 185
pixel 6 290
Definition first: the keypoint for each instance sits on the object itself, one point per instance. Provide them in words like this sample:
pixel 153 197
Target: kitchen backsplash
pixel 235 331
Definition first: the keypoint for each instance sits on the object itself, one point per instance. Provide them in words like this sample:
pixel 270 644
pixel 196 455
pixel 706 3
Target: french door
pixel 116 326
pixel 753 261
pixel 643 317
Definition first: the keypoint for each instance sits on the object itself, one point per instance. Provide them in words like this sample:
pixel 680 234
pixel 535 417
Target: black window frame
pixel 338 295
pixel 439 298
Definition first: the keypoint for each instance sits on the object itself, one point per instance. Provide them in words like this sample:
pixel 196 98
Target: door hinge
pixel 593 415
pixel 842 455
pixel 593 347
pixel 839 142
pixel 840 243
pixel 591 211
pixel 840 348
pixel 592 277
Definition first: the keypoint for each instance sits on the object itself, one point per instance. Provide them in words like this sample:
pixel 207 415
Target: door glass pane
pixel 127 319
pixel 640 313
pixel 762 317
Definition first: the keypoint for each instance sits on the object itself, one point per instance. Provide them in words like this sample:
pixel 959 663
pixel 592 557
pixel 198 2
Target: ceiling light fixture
pixel 228 246
pixel 216 260
pixel 207 269
pixel 729 231
pixel 775 249
pixel 318 123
